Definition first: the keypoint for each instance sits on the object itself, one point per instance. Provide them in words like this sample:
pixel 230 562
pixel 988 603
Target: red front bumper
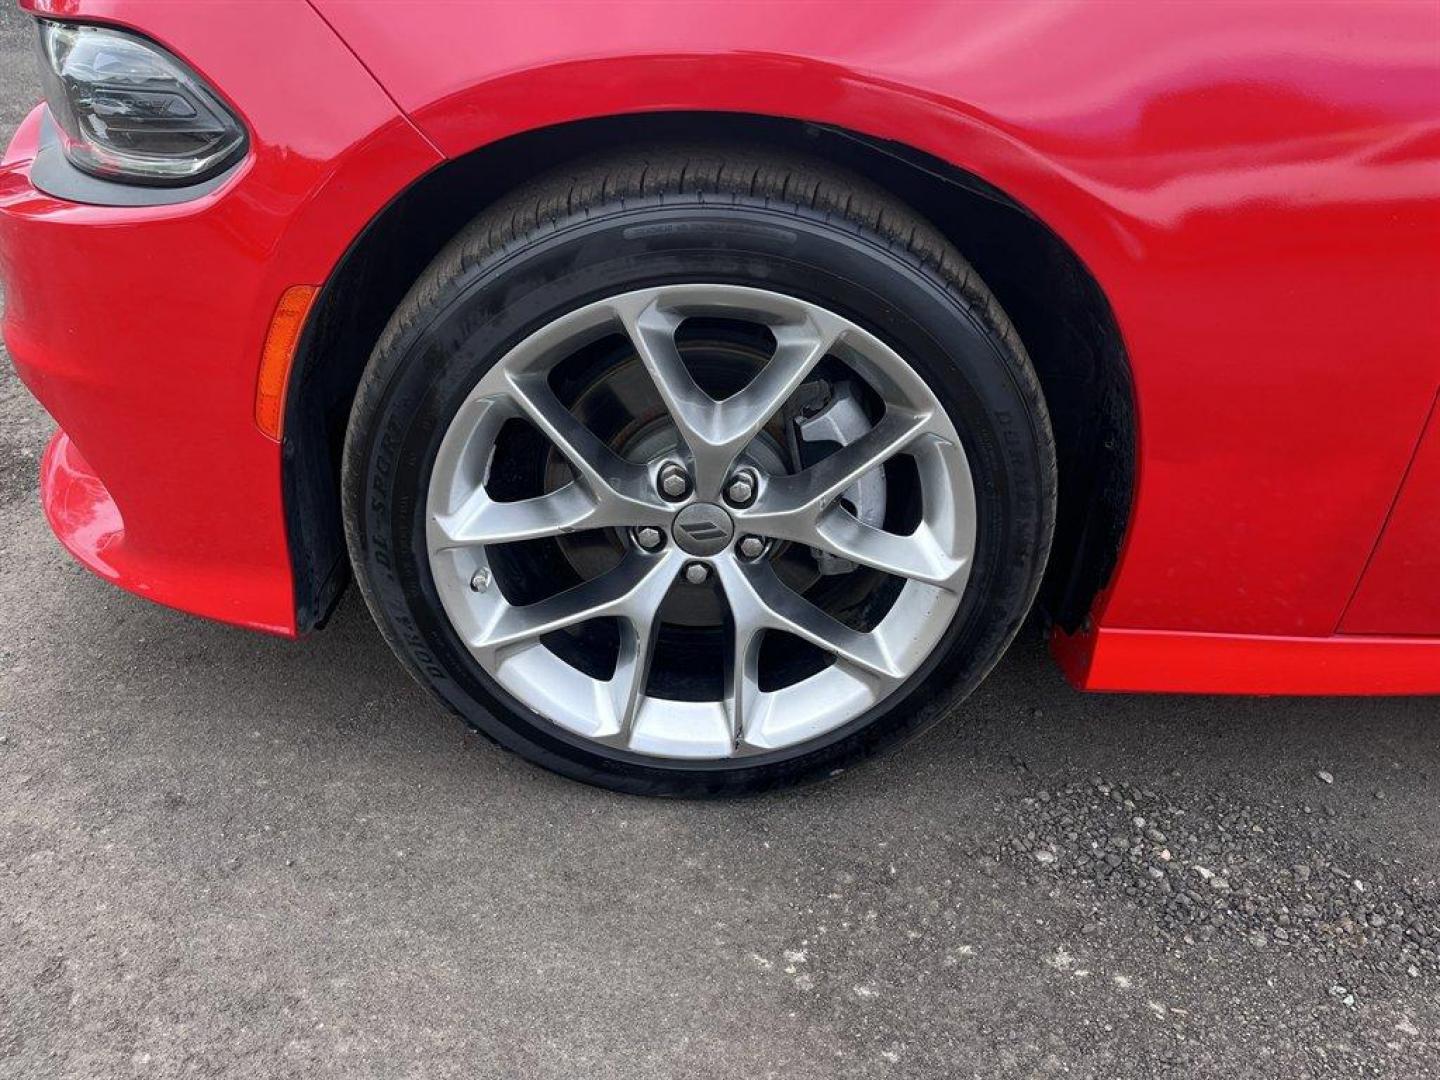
pixel 138 329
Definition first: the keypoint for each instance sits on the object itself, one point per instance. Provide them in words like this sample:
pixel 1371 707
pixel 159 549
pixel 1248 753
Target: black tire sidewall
pixel 420 376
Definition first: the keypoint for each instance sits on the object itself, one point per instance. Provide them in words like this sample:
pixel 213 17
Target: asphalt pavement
pixel 223 854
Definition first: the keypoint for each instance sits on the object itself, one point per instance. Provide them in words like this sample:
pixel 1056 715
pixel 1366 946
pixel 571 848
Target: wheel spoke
pixel 639 626
pixel 804 508
pixel 759 599
pixel 798 348
pixel 620 490
pixel 483 520
pixel 632 671
pixel 742 674
pixel 652 331
pixel 608 491
pixel 717 432
pixel 805 494
pixel 632 591
pixel 918 556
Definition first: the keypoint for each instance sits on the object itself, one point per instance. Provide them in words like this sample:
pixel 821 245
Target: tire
pixel 652 219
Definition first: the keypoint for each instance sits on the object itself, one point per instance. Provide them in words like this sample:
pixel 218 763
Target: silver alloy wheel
pixel 712 439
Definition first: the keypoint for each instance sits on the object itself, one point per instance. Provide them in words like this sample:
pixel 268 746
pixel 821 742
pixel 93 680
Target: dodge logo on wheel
pixel 703 529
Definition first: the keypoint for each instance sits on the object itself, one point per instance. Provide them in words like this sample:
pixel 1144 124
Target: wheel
pixel 699 472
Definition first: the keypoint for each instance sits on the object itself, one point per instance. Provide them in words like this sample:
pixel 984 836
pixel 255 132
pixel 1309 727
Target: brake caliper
pixel 825 426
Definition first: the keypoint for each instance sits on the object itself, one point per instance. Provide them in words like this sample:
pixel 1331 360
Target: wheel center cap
pixel 703 529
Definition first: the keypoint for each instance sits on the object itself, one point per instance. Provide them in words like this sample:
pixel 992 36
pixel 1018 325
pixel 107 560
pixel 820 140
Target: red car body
pixel 1254 187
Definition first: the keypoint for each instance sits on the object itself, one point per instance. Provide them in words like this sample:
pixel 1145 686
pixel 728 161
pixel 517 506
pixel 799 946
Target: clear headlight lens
pixel 127 110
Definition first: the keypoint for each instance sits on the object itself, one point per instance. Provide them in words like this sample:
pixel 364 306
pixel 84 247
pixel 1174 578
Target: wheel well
pixel 1059 310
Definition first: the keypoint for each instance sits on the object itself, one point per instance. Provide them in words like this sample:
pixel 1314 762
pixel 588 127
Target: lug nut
pixel 697 573
pixel 740 491
pixel 649 537
pixel 674 484
pixel 751 547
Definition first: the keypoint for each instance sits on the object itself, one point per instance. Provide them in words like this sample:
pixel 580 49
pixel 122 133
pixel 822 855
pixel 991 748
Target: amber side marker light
pixel 278 355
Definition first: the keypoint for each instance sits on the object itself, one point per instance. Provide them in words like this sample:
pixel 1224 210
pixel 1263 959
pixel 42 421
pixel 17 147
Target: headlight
pixel 127 110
